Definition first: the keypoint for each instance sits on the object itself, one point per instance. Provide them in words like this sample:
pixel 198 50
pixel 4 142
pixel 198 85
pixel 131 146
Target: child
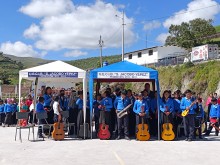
pixel 8 109
pixel 199 118
pixel 214 116
pixel 2 114
pixel 57 110
pixel 23 108
pixel 141 109
pixel 188 103
pixel 96 105
pixel 40 109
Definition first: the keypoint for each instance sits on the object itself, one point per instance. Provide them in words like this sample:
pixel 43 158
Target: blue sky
pixel 68 30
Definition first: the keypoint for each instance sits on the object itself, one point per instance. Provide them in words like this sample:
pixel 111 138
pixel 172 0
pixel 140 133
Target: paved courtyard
pixel 100 152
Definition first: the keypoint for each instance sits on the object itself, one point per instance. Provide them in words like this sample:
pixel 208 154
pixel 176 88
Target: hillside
pixel 28 61
pixel 93 62
pixel 217 28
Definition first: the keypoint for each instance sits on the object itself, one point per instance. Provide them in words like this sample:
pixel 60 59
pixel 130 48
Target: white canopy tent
pixel 57 71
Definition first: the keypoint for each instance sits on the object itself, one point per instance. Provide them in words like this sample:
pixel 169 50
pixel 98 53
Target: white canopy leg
pixel 84 104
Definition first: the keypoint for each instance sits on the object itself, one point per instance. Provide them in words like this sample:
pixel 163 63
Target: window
pixel 139 55
pixel 130 56
pixel 150 52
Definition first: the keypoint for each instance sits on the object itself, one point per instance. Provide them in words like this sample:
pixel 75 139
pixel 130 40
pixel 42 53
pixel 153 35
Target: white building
pixel 154 54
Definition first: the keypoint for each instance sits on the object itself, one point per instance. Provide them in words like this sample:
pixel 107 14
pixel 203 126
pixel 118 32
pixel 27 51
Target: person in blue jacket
pixel 2 113
pixel 120 103
pixel 214 115
pixel 63 101
pixel 177 118
pixel 153 114
pixel 79 103
pixel 167 107
pixel 141 109
pixel 48 104
pixel 106 106
pixel 199 118
pixel 188 103
pixel 40 109
pixel 8 109
pixel 96 106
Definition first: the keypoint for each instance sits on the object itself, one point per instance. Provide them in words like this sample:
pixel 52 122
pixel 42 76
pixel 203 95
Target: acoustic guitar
pixel 103 133
pixel 167 133
pixel 58 132
pixel 186 111
pixel 143 134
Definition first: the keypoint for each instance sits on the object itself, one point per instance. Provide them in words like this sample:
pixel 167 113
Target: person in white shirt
pixel 57 110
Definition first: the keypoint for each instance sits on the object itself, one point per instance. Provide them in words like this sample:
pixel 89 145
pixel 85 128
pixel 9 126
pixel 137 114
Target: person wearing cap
pixel 120 103
pixel 214 115
pixel 141 109
pixel 188 103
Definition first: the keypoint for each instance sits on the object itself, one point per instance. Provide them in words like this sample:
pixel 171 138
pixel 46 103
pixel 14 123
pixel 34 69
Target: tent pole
pixel 19 93
pixel 158 105
pixel 84 105
pixel 91 103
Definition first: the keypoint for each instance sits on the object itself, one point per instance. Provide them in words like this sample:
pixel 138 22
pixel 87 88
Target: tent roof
pixel 125 66
pixel 56 67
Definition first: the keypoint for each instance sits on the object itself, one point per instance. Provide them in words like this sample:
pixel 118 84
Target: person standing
pixel 63 102
pixel 48 104
pixel 120 104
pixel 188 103
pixel 8 109
pixel 2 113
pixel 199 118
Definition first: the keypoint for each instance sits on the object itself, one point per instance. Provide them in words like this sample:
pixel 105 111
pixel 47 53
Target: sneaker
pixel 40 136
pixel 189 140
pixel 200 137
pixel 127 138
pixel 186 139
pixel 118 138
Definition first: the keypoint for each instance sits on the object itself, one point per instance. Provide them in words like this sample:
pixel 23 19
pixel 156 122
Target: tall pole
pixel 101 42
pixel 123 35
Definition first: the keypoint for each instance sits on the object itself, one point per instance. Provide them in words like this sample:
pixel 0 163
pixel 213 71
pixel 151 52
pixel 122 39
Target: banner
pixel 53 74
pixel 124 75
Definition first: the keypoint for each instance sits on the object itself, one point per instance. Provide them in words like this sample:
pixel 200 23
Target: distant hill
pixel 217 28
pixel 28 61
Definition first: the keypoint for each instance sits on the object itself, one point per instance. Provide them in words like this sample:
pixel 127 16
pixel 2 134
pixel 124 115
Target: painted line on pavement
pixel 121 162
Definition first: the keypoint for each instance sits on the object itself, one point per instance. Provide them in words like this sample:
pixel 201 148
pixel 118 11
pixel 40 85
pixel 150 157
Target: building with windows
pixel 155 55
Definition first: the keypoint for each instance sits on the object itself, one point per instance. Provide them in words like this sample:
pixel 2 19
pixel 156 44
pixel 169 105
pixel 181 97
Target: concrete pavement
pixel 101 152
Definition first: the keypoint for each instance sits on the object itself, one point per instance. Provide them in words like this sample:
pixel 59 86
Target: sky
pixel 70 29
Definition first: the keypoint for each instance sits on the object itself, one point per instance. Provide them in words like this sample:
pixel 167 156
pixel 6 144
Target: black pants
pixel 210 129
pixel 2 118
pixel 31 117
pixel 139 121
pixel 13 118
pixel 153 128
pixel 132 123
pixel 176 122
pixel 113 124
pixel 96 118
pixel 73 113
pixel 189 125
pixel 198 126
pixel 8 118
pixel 123 122
pixel 79 120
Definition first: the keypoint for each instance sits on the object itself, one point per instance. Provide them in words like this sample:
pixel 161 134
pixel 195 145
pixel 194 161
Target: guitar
pixel 103 133
pixel 167 133
pixel 143 134
pixel 58 132
pixel 186 111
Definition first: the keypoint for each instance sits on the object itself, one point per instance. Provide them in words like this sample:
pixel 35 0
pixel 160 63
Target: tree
pixel 190 34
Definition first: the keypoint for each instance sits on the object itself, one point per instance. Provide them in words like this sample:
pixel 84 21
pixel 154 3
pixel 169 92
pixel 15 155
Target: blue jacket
pixel 138 107
pixel 9 108
pixel 201 111
pixel 2 108
pixel 121 103
pixel 15 107
pixel 147 100
pixel 168 103
pixel 153 105
pixel 176 103
pixel 132 99
pixel 47 100
pixel 63 103
pixel 107 102
pixel 214 111
pixel 79 103
pixel 40 107
pixel 96 103
pixel 186 103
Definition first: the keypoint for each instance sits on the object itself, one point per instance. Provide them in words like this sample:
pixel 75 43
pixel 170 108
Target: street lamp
pixel 123 31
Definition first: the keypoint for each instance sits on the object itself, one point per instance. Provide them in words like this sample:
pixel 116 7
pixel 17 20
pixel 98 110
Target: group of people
pixel 106 105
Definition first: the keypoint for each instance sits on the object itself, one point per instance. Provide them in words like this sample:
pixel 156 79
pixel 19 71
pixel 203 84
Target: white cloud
pixel 75 53
pixel 206 12
pixel 81 27
pixel 32 32
pixel 162 38
pixel 43 8
pixel 152 25
pixel 20 49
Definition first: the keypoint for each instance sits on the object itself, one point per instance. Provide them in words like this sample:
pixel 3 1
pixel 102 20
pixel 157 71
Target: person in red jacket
pixel 219 100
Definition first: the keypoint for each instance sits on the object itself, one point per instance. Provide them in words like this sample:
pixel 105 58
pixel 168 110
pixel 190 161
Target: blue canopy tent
pixel 123 71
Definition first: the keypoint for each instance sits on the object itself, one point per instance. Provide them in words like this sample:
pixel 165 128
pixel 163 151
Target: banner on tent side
pixel 53 74
pixel 124 75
